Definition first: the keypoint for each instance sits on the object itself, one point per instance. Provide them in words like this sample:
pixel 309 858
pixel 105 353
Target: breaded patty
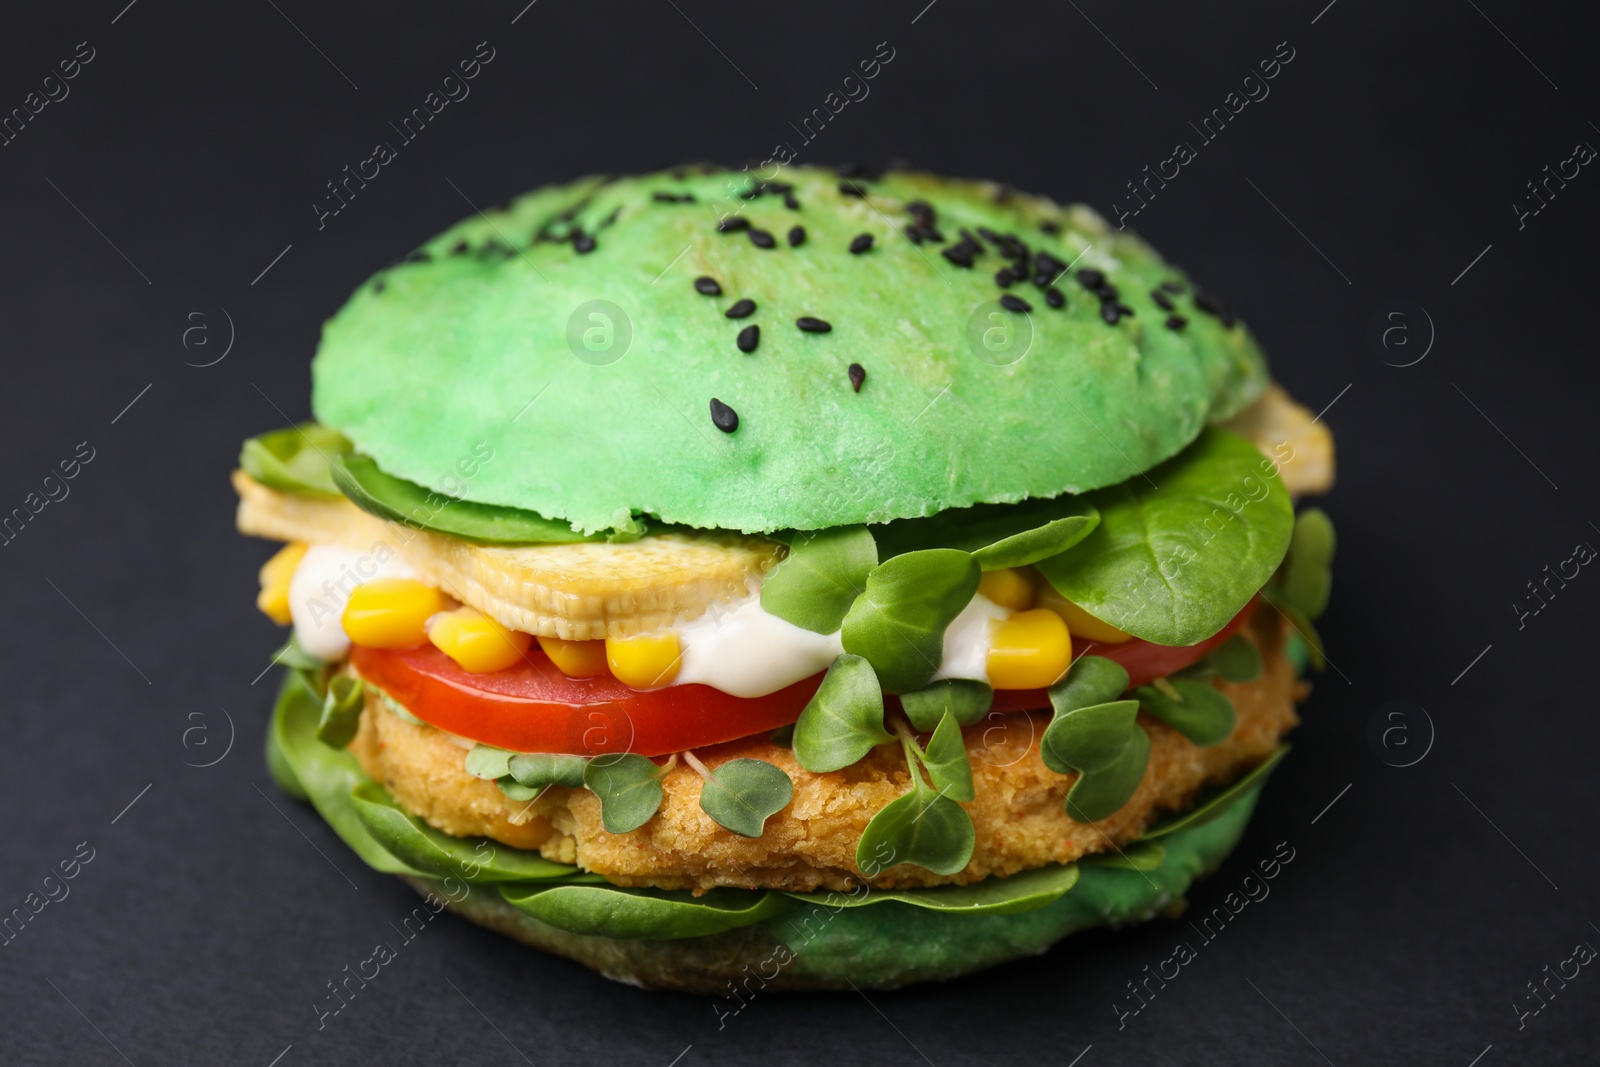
pixel 1018 811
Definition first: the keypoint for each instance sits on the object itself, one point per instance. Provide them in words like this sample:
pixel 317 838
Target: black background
pixel 187 157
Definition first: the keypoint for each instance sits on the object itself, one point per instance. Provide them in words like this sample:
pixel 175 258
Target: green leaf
pixel 1089 681
pixel 946 761
pixel 820 578
pixel 1013 895
pixel 898 623
pixel 341 711
pixel 629 788
pixel 475 859
pixel 295 459
pixel 1303 628
pixel 295 658
pixel 1142 855
pixel 643 914
pixel 398 500
pixel 1201 712
pixel 1181 549
pixel 540 769
pixel 920 828
pixel 1307 576
pixel 515 790
pixel 844 720
pixel 997 535
pixel 967 699
pixel 488 762
pixel 1105 746
pixel 1210 803
pixel 281 768
pixel 1236 659
pixel 741 794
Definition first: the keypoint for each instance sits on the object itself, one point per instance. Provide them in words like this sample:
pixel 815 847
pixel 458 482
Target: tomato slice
pixel 533 707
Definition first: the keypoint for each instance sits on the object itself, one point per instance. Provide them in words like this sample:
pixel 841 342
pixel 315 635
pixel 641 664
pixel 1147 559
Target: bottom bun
pixel 839 945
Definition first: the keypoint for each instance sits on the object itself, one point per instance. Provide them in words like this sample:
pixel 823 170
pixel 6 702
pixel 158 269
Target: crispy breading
pixel 810 844
pixel 1285 430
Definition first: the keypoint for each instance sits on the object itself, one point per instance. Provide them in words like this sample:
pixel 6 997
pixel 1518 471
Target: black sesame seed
pixel 1045 263
pixel 723 417
pixel 377 286
pixel 733 224
pixel 1012 302
pixel 761 238
pixel 1053 297
pixel 1176 322
pixel 1110 312
pixel 1003 277
pixel 851 189
pixel 1172 287
pixel 858 374
pixel 797 236
pixel 813 325
pixel 989 235
pixel 1050 226
pixel 1163 301
pixel 1107 293
pixel 707 286
pixel 790 202
pixel 1090 278
pixel 932 233
pixel 748 338
pixel 582 243
pixel 664 198
pixel 1125 311
pixel 741 309
pixel 958 254
pixel 459 248
pixel 1043 279
pixel 1212 304
pixel 922 211
pixel 860 243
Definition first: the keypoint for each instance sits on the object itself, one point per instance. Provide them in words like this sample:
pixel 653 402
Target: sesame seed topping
pixel 733 224
pixel 459 248
pixel 1003 277
pixel 1050 226
pixel 1163 301
pixel 1175 288
pixel 723 417
pixel 790 202
pixel 813 325
pixel 377 286
pixel 741 309
pixel 1176 322
pixel 960 254
pixel 860 243
pixel 851 189
pixel 1054 297
pixel 858 374
pixel 748 338
pixel 582 243
pixel 1212 304
pixel 1045 263
pixel 707 286
pixel 1012 302
pixel 761 238
pixel 1090 278
pixel 1110 312
pixel 797 236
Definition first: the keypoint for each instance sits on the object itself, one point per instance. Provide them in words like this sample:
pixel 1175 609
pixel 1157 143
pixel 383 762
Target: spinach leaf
pixel 1180 550
pixel 946 760
pixel 1215 801
pixel 1307 577
pixel 488 762
pixel 997 535
pixel 1142 855
pixel 1091 680
pixel 820 578
pixel 629 788
pixel 398 500
pixel 341 711
pixel 643 914
pixel 921 828
pixel 540 769
pixel 967 699
pixel 844 720
pixel 1105 745
pixel 1011 895
pixel 295 459
pixel 515 790
pixel 741 794
pixel 1236 660
pixel 475 859
pixel 898 623
pixel 1198 711
pixel 281 768
pixel 295 658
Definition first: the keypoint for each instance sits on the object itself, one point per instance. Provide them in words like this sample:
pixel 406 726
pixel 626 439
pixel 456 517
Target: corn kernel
pixel 646 661
pixel 273 600
pixel 1030 650
pixel 1009 588
pixel 479 644
pixel 1080 622
pixel 576 659
pixel 391 613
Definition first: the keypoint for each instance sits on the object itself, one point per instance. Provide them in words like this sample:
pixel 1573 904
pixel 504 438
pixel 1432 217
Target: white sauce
pixel 321 586
pixel 967 641
pixel 741 649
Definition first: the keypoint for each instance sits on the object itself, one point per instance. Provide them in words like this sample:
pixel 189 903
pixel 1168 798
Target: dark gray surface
pixel 187 156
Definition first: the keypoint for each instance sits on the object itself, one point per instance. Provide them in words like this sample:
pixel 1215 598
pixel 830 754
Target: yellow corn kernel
pixel 1080 622
pixel 1009 588
pixel 475 641
pixel 391 613
pixel 576 659
pixel 1030 650
pixel 273 600
pixel 646 661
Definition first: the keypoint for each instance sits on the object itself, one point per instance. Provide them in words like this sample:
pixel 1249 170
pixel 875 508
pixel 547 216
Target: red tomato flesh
pixel 533 707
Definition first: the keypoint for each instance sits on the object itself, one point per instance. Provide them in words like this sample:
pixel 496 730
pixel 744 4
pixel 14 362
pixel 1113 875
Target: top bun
pixel 560 352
